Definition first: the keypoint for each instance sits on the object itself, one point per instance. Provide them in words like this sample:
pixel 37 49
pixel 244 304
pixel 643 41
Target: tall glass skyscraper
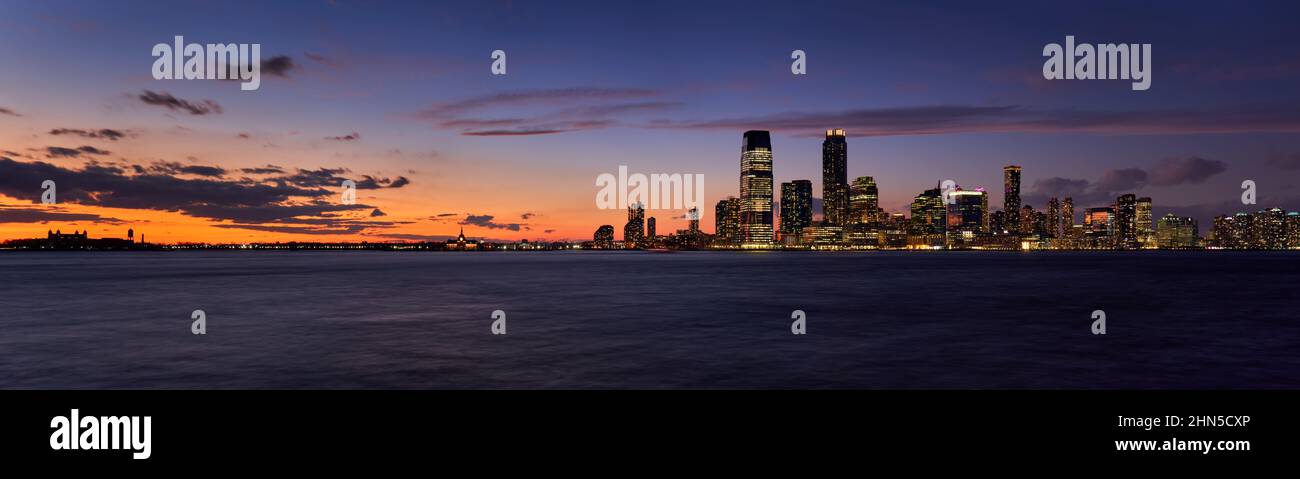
pixel 835 178
pixel 1011 197
pixel 634 230
pixel 1146 235
pixel 864 201
pixel 1126 222
pixel 756 189
pixel 796 206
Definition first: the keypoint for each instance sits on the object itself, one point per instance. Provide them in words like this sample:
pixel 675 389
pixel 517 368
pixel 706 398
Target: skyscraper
pixel 634 230
pixel 929 213
pixel 1126 222
pixel 1054 218
pixel 650 228
pixel 966 211
pixel 835 178
pixel 1067 217
pixel 756 189
pixel 1146 235
pixel 796 206
pixel 727 221
pixel 693 220
pixel 1011 197
pixel 864 201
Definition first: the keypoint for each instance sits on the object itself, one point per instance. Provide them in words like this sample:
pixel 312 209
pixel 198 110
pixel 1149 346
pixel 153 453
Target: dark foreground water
pixel 649 320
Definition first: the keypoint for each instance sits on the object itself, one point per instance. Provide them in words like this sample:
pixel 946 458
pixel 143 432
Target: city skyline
pixel 435 143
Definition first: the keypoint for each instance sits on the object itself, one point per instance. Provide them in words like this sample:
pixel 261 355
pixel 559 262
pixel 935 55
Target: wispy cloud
pixel 166 100
pixel 947 119
pixel 551 110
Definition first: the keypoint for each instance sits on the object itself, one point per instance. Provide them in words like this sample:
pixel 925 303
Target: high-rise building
pixel 835 178
pixel 929 213
pixel 1126 222
pixel 756 189
pixel 1054 218
pixel 1011 197
pixel 604 237
pixel 650 228
pixel 1270 227
pixel 1175 232
pixel 864 201
pixel 796 206
pixel 727 221
pixel 966 211
pixel 634 230
pixel 1292 230
pixel 1067 217
pixel 1100 221
pixel 693 220
pixel 1146 234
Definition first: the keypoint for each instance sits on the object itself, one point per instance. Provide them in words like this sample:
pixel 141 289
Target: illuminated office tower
pixel 756 189
pixel 1175 232
pixel 1011 198
pixel 1146 235
pixel 835 178
pixel 929 213
pixel 1270 228
pixel 693 220
pixel 1054 218
pixel 650 228
pixel 634 230
pixel 1067 217
pixel 864 201
pixel 727 221
pixel 966 211
pixel 796 206
pixel 1126 222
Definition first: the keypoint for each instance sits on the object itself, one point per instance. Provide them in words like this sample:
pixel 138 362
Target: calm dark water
pixel 647 320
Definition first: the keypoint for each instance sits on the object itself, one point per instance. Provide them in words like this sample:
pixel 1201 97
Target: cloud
pixel 549 231
pixel 1167 172
pixel 109 186
pixel 322 59
pixel 377 213
pixel 175 168
pixel 516 132
pixel 170 102
pixel 265 170
pixel 485 221
pixel 354 136
pixel 279 65
pixel 1121 180
pixel 6 111
pixel 1192 169
pixel 101 134
pixel 331 178
pixel 527 215
pixel 45 215
pixel 579 108
pixel 61 152
pixel 947 119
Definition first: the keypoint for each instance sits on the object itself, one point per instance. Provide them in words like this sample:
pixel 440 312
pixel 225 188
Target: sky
pixel 400 98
